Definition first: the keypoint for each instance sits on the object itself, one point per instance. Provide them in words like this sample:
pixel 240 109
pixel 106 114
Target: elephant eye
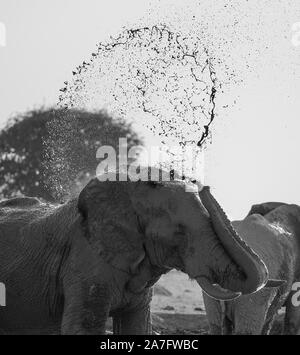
pixel 181 226
pixel 180 230
pixel 141 228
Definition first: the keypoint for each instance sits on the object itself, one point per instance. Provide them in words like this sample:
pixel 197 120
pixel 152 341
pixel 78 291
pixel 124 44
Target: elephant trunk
pixel 253 274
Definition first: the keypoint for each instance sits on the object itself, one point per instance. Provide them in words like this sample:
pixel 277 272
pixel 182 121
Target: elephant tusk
pixel 275 283
pixel 215 290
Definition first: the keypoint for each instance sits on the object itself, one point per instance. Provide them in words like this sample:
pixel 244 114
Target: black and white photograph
pixel 149 170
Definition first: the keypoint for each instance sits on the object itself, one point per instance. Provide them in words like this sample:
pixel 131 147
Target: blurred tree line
pixel 51 153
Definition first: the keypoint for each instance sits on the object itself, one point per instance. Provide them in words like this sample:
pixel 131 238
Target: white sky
pixel 255 152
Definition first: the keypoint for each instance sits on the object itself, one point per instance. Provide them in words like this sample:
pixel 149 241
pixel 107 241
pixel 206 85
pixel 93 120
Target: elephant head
pixel 146 228
pixel 264 208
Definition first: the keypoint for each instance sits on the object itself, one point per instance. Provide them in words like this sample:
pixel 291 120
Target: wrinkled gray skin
pixel 67 268
pixel 273 231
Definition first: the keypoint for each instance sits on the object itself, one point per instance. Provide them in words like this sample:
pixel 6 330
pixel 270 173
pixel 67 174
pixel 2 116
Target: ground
pixel 178 308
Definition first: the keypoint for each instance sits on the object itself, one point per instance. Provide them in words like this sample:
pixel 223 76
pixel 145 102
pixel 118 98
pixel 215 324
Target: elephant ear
pixel 110 223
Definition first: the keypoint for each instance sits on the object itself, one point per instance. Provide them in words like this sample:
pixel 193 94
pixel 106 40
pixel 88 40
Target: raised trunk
pixel 254 274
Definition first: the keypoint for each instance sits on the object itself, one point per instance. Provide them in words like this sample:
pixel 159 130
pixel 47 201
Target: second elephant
pixel 273 231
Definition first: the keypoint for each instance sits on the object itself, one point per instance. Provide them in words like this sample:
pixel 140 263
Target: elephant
pixel 70 266
pixel 272 230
